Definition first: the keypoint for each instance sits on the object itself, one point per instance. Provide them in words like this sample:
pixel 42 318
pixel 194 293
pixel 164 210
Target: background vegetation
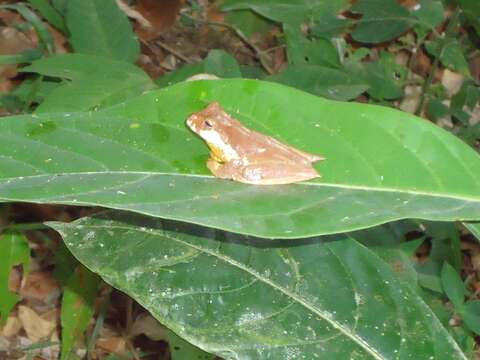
pixel 118 243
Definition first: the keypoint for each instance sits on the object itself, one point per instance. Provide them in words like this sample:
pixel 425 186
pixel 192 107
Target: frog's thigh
pixel 277 173
pixel 223 171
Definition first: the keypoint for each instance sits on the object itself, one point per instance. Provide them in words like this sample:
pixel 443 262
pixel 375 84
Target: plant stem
pixel 426 85
pixel 26 227
pixel 259 53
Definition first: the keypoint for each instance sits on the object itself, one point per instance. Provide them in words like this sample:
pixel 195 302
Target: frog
pixel 247 156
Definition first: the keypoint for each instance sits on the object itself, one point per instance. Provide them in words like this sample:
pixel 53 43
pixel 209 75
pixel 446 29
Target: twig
pixel 173 52
pixel 259 53
pixel 426 85
pixel 26 227
pixel 98 325
pixel 128 326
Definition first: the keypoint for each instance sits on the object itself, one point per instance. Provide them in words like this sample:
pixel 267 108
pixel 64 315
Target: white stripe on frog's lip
pixel 191 124
pixel 213 137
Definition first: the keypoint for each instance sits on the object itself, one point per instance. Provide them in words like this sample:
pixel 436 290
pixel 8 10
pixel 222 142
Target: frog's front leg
pixel 223 170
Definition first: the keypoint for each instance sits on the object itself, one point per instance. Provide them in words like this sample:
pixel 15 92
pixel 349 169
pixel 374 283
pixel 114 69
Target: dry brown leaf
pixel 475 67
pixel 476 262
pixel 14 280
pixel 12 42
pixel 150 327
pixel 160 15
pixel 51 352
pixel 215 15
pixel 42 286
pixel 452 81
pixel 36 327
pixel 114 344
pixel 422 63
pixel 133 14
pixel 12 327
pixel 411 99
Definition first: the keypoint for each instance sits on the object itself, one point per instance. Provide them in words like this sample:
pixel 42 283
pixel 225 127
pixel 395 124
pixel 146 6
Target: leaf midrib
pixel 294 297
pixel 210 177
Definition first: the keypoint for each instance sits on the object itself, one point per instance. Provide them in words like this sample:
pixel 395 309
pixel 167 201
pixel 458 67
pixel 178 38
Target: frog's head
pixel 214 125
pixel 211 118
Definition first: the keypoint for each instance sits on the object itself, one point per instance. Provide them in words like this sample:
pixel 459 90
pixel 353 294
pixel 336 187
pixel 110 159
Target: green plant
pixel 311 270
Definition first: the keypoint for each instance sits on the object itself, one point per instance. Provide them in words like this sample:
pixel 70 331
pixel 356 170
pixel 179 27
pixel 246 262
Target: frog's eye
pixel 208 124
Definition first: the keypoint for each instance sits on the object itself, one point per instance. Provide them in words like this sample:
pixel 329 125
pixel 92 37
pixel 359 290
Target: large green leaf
pixel 218 63
pixel 95 81
pixel 245 298
pixel 474 228
pixel 99 27
pixel 382 164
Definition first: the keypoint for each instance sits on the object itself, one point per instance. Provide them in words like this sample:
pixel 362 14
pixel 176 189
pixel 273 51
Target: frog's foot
pixel 220 170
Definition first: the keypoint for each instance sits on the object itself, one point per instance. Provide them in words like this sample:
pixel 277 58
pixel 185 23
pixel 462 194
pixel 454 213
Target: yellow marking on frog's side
pixel 219 148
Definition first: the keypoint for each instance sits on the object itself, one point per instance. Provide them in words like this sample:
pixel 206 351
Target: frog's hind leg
pixel 276 173
pixel 310 157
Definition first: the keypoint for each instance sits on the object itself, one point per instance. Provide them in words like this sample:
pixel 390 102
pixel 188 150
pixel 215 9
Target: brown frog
pixel 247 156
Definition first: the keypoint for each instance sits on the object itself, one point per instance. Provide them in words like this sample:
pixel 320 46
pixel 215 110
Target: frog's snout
pixel 191 122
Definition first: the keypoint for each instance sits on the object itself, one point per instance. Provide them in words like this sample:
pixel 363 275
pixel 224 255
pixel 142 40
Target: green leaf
pixel 471 315
pixel 328 23
pixel 470 134
pixel 474 229
pixel 323 81
pixel 60 5
pixel 303 51
pixel 450 53
pixel 218 62
pixel 140 156
pixel 99 27
pixel 384 77
pixel 382 20
pixel 437 109
pixel 430 13
pixel 445 247
pixel 95 81
pixel 23 57
pixel 15 251
pixel 241 297
pixel 183 350
pixel 445 243
pixel 468 96
pixel 49 13
pixel 453 285
pixel 471 9
pixel 329 26
pixel 465 340
pixel 248 22
pixel 79 66
pixel 222 64
pixel 286 11
pixel 78 306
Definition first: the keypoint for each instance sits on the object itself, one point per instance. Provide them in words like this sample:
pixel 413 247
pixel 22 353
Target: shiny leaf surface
pixel 249 298
pixel 381 165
